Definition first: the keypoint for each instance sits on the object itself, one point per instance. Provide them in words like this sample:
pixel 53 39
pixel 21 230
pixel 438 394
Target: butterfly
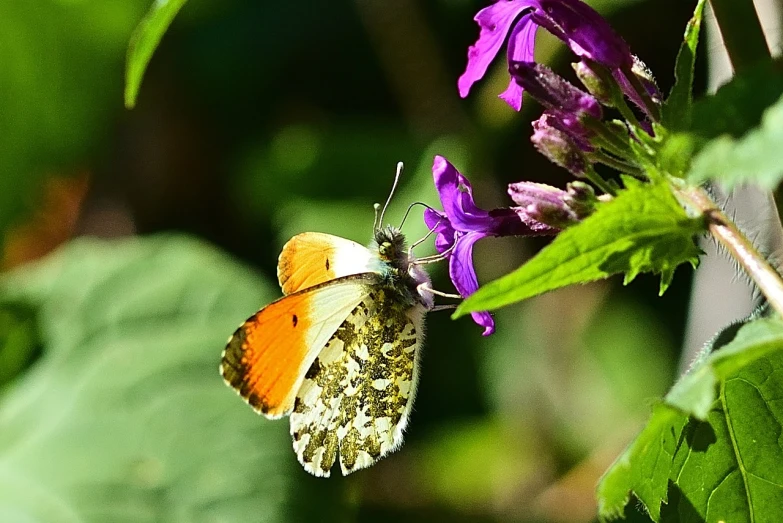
pixel 339 353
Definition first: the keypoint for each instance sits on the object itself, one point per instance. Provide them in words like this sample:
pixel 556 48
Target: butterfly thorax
pixel 400 277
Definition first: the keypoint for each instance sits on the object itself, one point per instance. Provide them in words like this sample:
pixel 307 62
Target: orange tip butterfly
pixel 339 353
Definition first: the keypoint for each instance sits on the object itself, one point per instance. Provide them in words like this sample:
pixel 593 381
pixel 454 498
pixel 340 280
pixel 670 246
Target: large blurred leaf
pixel 738 106
pixel 755 158
pixel 643 229
pixel 125 417
pixel 725 467
pixel 60 84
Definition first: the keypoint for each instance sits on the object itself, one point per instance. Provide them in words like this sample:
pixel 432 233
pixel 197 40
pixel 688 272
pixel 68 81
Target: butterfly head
pixel 391 247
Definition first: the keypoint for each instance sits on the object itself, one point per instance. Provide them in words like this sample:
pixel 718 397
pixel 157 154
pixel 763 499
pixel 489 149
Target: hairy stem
pixel 737 244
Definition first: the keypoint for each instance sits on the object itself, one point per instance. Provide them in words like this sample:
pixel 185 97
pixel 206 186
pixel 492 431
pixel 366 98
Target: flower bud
pixel 580 198
pixel 558 146
pixel 554 92
pixel 594 82
pixel 543 203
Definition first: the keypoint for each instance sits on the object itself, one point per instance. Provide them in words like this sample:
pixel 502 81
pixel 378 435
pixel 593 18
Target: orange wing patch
pixel 312 258
pixel 266 359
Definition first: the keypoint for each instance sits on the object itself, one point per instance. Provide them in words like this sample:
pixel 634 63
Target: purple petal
pixel 512 95
pixel 463 275
pixel 484 319
pixel 444 232
pixel 456 195
pixel 495 22
pixel 521 47
pixel 585 31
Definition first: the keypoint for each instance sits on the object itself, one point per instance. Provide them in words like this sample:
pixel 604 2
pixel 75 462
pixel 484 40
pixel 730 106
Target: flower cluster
pixel 542 210
pixel 586 33
pixel 570 132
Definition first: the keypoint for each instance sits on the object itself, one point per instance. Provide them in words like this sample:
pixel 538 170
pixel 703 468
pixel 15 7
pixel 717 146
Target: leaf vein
pixel 740 463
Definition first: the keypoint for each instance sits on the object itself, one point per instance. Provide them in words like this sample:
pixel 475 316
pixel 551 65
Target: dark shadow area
pixel 699 435
pixel 679 509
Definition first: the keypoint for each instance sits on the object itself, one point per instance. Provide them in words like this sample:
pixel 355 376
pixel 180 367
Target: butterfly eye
pixel 384 248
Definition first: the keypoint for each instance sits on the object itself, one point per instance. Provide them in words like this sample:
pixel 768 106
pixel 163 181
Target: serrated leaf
pixel 644 229
pixel 644 467
pixel 676 111
pixel 755 158
pixel 726 465
pixel 144 41
pixel 125 416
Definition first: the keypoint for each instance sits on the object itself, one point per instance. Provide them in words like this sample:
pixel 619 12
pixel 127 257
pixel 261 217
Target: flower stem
pixel 599 182
pixel 741 31
pixel 738 245
pixel 610 140
pixel 626 112
pixel 615 163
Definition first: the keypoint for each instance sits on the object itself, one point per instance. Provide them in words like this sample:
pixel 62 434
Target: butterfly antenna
pixel 376 207
pixel 410 207
pixel 388 200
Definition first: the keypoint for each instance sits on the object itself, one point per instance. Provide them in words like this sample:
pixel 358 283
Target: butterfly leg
pixel 435 258
pixel 422 240
pixel 449 307
pixel 425 288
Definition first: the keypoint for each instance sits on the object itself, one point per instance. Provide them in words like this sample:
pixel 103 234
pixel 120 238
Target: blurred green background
pixel 134 242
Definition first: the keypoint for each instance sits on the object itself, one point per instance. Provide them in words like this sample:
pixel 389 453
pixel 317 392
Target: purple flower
pixel 462 224
pixel 577 24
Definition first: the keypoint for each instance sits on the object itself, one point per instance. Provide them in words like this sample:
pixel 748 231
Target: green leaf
pixel 726 418
pixel 676 112
pixel 644 467
pixel 644 229
pixel 144 41
pixel 755 158
pixel 695 392
pixel 125 417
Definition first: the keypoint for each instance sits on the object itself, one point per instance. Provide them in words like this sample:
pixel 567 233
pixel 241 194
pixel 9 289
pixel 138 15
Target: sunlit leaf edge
pixel 144 41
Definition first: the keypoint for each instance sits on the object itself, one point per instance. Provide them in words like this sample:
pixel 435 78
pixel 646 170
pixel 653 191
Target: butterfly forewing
pixel 312 258
pixel 356 396
pixel 267 357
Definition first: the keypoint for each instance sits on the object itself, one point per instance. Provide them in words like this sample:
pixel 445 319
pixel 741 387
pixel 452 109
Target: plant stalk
pixel 741 249
pixel 599 182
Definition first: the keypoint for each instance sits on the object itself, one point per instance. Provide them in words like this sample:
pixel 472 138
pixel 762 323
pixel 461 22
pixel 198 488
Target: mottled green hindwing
pixel 358 393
